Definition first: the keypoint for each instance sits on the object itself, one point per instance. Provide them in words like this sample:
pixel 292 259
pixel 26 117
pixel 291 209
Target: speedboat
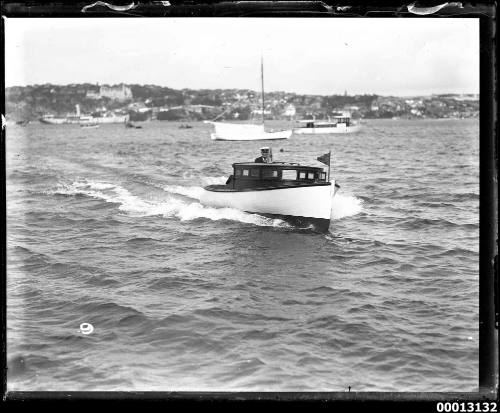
pixel 299 194
pixel 340 122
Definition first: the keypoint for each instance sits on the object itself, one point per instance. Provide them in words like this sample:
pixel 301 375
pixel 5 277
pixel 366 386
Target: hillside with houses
pixel 152 102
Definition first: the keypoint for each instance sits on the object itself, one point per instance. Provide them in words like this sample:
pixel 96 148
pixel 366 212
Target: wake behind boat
pixel 299 194
pixel 247 132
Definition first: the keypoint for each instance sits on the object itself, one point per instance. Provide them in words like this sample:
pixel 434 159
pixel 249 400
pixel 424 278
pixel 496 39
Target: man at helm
pixel 266 155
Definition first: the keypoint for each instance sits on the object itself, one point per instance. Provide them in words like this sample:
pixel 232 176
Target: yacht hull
pixel 265 136
pixel 245 132
pixel 300 205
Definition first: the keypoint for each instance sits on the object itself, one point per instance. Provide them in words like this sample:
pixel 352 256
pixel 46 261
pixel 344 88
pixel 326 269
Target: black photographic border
pixel 488 201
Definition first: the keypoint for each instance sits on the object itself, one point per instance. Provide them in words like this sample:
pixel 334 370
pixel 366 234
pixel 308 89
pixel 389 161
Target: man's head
pixel 265 152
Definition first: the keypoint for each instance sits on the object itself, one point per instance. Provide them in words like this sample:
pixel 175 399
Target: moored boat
pixel 299 194
pixel 80 119
pixel 52 120
pixel 340 122
pixel 245 132
pixel 131 125
pixel 248 132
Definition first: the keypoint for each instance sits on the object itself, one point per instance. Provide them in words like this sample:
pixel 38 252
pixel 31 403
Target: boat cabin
pixel 342 119
pixel 332 123
pixel 274 174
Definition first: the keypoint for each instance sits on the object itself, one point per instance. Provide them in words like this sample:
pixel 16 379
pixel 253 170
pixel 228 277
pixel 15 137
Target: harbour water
pixel 104 227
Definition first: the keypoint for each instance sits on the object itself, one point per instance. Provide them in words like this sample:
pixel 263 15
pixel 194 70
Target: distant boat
pixel 79 119
pixel 110 119
pixel 52 120
pixel 185 127
pixel 82 119
pixel 247 132
pixel 89 125
pixel 131 125
pixel 340 122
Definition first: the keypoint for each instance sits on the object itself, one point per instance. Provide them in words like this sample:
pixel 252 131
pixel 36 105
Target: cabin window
pixel 255 173
pixel 266 173
pixel 289 174
pixel 323 176
pixel 245 172
pixel 310 175
pixel 302 175
pixel 238 172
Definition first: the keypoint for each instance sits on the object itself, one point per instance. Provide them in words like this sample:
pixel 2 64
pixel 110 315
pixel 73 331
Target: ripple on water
pixel 185 297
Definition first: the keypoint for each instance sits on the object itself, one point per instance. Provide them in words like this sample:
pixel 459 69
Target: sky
pixel 319 56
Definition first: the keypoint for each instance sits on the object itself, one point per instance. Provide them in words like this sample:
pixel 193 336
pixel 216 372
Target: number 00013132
pixel 467 407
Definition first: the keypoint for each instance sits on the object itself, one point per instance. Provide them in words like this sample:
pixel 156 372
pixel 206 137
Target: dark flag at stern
pixel 324 158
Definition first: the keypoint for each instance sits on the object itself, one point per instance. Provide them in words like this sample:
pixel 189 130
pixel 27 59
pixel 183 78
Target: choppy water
pixel 104 227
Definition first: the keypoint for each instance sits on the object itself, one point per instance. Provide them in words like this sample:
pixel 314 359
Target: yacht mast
pixel 262 81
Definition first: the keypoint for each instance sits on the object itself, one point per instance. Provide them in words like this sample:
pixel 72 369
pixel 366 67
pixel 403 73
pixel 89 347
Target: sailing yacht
pixel 247 132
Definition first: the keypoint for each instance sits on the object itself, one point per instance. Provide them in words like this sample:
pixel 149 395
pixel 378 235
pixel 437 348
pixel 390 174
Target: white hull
pixel 53 121
pixel 85 120
pixel 306 201
pixel 266 136
pixel 242 132
pixel 340 128
pixel 110 119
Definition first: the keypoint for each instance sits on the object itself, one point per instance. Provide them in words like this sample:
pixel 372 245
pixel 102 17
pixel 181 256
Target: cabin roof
pixel 276 165
pixel 321 122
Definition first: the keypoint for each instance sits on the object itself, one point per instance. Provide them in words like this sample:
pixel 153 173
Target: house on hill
pixel 120 93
